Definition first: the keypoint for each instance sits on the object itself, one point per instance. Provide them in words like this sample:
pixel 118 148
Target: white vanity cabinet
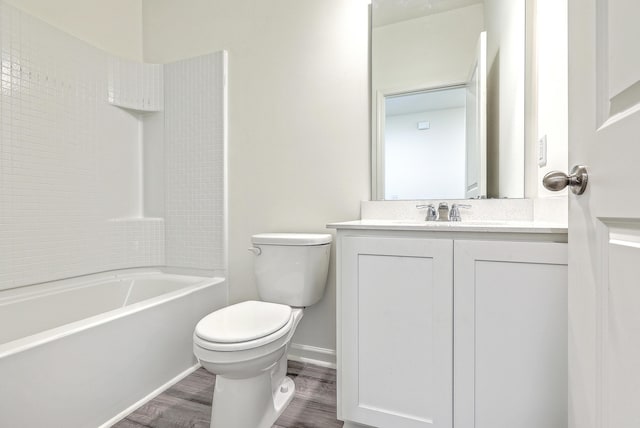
pixel 510 334
pixel 396 307
pixel 461 329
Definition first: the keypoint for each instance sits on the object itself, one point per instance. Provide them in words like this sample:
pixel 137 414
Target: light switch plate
pixel 542 151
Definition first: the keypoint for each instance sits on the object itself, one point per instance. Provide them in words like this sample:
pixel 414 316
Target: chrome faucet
pixel 443 211
pixel 432 214
pixel 454 214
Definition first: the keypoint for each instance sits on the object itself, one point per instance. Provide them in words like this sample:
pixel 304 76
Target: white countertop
pixel 455 226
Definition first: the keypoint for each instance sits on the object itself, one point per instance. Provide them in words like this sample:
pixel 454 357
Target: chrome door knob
pixel 577 180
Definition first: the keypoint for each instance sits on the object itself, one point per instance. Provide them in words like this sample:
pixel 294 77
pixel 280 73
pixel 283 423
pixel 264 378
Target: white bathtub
pixel 83 352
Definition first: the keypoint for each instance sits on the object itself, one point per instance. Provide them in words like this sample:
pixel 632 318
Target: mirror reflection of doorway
pixel 432 142
pixel 424 144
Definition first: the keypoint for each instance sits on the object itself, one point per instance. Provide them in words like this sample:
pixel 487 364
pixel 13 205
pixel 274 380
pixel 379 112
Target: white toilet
pixel 245 345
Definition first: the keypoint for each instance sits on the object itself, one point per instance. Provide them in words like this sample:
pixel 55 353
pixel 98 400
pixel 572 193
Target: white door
pixel 604 222
pixel 476 126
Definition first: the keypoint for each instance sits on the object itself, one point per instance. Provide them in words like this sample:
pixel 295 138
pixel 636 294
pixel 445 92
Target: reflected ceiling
pixel 425 101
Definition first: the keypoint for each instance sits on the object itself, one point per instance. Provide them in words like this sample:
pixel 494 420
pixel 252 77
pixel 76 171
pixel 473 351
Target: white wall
pixel 505 25
pixel 298 118
pixel 552 83
pixel 113 25
pixel 425 164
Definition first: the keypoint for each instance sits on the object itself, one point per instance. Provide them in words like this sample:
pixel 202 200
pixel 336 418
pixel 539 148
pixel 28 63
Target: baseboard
pixel 149 396
pixel 348 424
pixel 313 355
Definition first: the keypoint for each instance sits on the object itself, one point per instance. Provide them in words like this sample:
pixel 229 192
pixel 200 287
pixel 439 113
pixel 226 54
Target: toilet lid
pixel 243 322
pixel 296 239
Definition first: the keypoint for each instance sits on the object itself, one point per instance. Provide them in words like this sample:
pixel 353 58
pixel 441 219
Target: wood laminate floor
pixel 187 404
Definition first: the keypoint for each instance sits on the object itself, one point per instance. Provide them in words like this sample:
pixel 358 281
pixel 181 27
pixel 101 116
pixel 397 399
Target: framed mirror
pixel 447 91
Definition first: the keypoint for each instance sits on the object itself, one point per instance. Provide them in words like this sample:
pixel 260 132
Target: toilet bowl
pixel 245 345
pixel 250 361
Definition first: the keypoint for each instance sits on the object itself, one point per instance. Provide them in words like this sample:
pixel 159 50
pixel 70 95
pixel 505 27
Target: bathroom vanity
pixel 443 324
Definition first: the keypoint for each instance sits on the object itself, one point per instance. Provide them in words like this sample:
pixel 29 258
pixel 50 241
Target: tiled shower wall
pixel 194 148
pixel 71 190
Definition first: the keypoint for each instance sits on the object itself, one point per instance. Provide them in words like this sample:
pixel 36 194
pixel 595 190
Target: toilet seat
pixel 243 326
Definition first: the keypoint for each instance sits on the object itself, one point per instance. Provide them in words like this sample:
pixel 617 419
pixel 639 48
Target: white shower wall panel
pixel 194 138
pixel 70 163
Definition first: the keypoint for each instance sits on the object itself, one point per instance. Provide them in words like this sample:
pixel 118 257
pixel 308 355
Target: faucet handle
pixel 454 214
pixel 432 214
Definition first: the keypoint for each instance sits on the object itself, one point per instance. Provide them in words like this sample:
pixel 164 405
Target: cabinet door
pixel 510 335
pixel 397 325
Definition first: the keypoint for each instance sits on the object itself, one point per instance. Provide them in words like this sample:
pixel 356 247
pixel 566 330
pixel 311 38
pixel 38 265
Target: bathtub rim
pixel 22 344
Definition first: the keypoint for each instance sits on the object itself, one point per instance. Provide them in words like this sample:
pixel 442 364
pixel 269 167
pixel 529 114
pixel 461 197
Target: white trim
pixel 225 163
pixel 153 394
pixel 350 424
pixel 313 355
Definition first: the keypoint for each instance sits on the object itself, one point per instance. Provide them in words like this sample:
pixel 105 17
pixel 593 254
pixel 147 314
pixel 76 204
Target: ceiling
pixel 385 12
pixel 425 101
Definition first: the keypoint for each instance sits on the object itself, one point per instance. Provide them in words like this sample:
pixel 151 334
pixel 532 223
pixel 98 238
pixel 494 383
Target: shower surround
pixel 104 163
pixel 111 166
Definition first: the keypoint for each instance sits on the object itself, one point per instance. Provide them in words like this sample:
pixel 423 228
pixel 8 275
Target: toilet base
pixel 251 389
pixel 250 403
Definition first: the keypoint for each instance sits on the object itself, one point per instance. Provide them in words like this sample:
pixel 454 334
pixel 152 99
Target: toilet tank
pixel 291 268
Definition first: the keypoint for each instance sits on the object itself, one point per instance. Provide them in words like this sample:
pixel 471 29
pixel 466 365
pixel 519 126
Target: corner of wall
pixel 114 26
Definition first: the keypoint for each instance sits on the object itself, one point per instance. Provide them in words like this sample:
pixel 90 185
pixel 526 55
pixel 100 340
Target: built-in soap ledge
pixel 135 85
